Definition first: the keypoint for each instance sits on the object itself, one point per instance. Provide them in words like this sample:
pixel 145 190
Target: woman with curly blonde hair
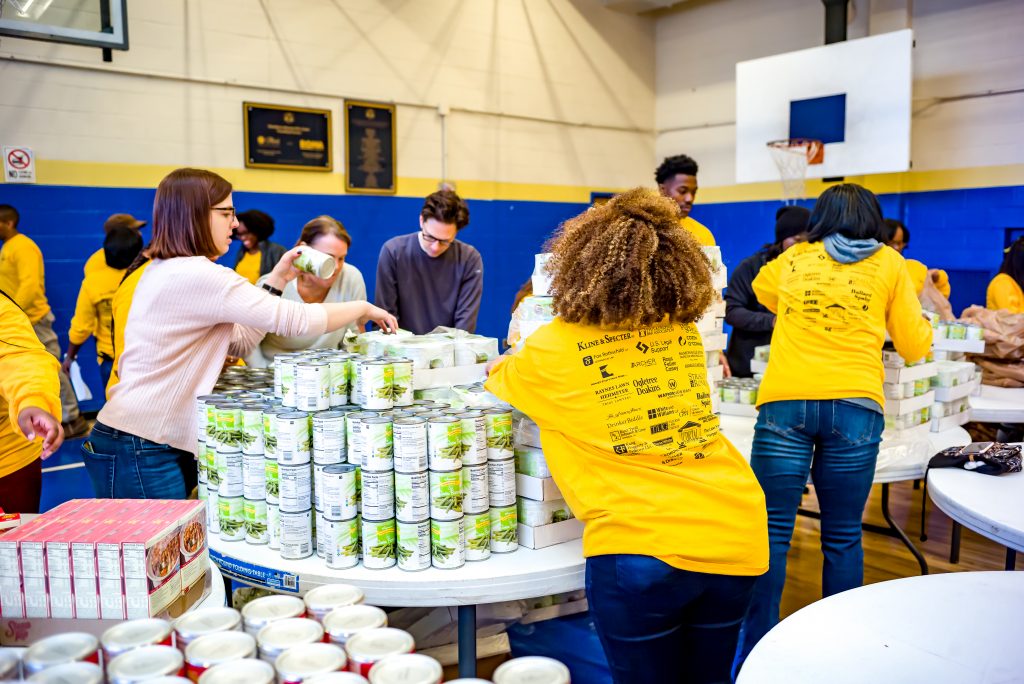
pixel 675 526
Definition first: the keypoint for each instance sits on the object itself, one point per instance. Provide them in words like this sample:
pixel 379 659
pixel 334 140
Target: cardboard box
pixel 950 422
pixel 537 488
pixel 715 342
pixel 715 374
pixel 899 407
pixel 758 366
pixel 426 378
pixel 970 346
pixel 956 392
pixel 744 410
pixel 901 375
pixel 549 535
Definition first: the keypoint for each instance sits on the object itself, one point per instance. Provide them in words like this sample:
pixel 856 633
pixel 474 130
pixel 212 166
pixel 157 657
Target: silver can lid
pixel 531 670
pixel 196 623
pixel 144 663
pixel 220 647
pixel 59 648
pixel 371 645
pixel 305 660
pixel 249 671
pixel 342 623
pixel 407 668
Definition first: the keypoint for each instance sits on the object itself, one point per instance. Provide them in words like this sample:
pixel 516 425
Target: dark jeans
pixel 106 368
pixel 125 466
pixel 661 624
pixel 837 443
pixel 20 490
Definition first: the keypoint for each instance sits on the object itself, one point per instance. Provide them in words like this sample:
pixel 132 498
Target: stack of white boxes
pixel 710 325
pixel 956 379
pixel 908 395
pixel 544 517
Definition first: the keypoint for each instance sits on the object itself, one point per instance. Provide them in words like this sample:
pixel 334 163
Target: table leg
pixel 227 590
pixel 1011 559
pixel 954 544
pixel 924 509
pixel 899 533
pixel 467 641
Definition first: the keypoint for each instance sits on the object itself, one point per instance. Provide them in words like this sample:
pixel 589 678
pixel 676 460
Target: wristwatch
pixel 272 290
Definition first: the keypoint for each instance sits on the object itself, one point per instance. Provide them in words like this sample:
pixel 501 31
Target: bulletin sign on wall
pixel 279 137
pixel 370 166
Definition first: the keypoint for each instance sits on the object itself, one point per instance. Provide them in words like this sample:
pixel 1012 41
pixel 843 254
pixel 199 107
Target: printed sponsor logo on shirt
pixel 659 427
pixel 655 330
pixel 617 435
pixel 642 347
pixel 620 448
pixel 583 346
pixel 670 364
pixel 662 442
pixel 697 380
pixel 646 386
pixel 625 421
pixel 660 412
pixel 643 364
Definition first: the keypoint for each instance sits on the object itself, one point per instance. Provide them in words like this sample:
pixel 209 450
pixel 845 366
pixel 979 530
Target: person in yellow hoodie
pixel 677 180
pixel 674 521
pixel 897 236
pixel 821 400
pixel 93 310
pixel 1006 291
pixel 29 405
pixel 98 259
pixel 21 275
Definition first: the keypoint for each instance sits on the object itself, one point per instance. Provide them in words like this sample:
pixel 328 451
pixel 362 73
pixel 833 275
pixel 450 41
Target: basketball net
pixel 791 157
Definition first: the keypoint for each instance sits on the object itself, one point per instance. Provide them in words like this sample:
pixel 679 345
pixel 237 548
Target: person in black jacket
pixel 752 323
pixel 254 230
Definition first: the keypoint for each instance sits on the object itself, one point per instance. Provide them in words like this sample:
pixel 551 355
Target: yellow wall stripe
pixel 99 174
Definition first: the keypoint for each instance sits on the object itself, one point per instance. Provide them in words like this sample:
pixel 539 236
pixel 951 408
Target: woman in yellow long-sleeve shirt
pixel 93 310
pixel 1006 291
pixel 821 398
pixel 675 528
pixel 29 400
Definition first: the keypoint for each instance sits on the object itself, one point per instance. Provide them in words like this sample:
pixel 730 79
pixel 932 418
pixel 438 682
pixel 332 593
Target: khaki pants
pixel 46 335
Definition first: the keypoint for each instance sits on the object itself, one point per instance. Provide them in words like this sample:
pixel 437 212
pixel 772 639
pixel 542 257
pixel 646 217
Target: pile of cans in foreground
pixel 330 637
pixel 329 452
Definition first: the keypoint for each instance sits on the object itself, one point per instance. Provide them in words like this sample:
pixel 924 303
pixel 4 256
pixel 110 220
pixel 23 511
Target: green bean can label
pixel 272 481
pixel 270 432
pixel 412 497
pixel 201 463
pixel 201 491
pixel 501 482
pixel 504 529
pixel 474 438
pixel 231 513
pixel 500 443
pixel 446 495
pixel 413 548
pixel 294 438
pixel 228 431
pixel 254 476
pixel 329 444
pixel 296 534
pixel 379 537
pixel 342 542
pixel 287 367
pixel 337 487
pixel 313 386
pixel 478 536
pixel 255 516
pixel 376 385
pixel 212 510
pixel 252 429
pixel 402 392
pixel 295 487
pixel 410 440
pixel 229 472
pixel 356 447
pixel 448 543
pixel 378 494
pixel 273 526
pixel 378 443
pixel 212 476
pixel 339 381
pixel 444 443
pixel 476 495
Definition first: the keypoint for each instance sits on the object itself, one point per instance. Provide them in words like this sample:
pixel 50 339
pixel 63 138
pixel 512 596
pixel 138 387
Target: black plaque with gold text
pixel 280 137
pixel 370 166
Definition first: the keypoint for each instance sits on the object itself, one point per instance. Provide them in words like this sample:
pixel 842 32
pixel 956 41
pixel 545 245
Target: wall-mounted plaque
pixel 280 137
pixel 370 166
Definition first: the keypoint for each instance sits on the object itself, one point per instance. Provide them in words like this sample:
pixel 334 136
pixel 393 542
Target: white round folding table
pixel 954 628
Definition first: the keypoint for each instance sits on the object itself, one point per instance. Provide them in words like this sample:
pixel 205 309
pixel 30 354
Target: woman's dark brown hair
pixel 323 225
pixel 628 264
pixel 181 214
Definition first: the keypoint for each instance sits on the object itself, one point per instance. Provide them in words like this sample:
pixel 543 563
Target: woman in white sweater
pixel 186 315
pixel 346 284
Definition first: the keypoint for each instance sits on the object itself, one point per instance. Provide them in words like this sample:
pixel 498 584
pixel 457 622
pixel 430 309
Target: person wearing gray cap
pixel 98 261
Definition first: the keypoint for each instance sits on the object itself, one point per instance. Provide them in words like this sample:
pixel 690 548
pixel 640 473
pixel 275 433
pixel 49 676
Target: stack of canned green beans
pixel 738 390
pixel 328 452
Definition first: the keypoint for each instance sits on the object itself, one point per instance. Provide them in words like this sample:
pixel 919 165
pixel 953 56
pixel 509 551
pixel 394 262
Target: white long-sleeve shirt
pixel 187 314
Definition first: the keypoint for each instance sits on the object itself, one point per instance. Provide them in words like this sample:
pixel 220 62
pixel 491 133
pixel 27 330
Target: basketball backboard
pixel 854 96
pixel 95 23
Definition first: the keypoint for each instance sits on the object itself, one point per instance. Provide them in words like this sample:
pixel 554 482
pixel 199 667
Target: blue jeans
pixel 657 622
pixel 838 443
pixel 106 368
pixel 124 466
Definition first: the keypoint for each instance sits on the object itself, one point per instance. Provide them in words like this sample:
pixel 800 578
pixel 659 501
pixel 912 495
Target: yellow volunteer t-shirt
pixel 93 311
pixel 831 323
pixel 120 306
pixel 1004 293
pixel 96 261
pixel 918 273
pixel 699 231
pixel 249 267
pixel 21 276
pixel 628 433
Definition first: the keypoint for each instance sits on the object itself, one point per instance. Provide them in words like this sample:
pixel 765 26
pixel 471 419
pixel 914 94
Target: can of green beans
pixel 376 384
pixel 500 443
pixel 231 514
pixel 378 494
pixel 284 376
pixel 228 431
pixel 412 497
pixel 270 429
pixel 252 428
pixel 413 548
pixel 377 441
pixel 212 509
pixel 229 472
pixel 254 476
pixel 337 486
pixel 312 386
pixel 474 437
pixel 478 536
pixel 410 442
pixel 339 373
pixel 402 392
pixel 329 437
pixel 446 495
pixel 255 517
pixel 379 537
pixel 273 526
pixel 444 443
pixel 504 529
pixel 342 545
pixel 475 492
pixel 294 439
pixel 501 482
pixel 356 442
pixel 448 543
pixel 271 480
pixel 295 487
pixel 296 534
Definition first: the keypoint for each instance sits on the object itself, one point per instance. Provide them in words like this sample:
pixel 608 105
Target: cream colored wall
pixel 963 48
pixel 555 92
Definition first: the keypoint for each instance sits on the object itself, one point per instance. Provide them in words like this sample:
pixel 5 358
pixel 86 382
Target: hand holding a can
pixel 285 271
pixel 383 320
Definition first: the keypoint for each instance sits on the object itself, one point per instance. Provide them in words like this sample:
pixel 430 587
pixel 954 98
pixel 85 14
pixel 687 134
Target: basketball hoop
pixel 791 156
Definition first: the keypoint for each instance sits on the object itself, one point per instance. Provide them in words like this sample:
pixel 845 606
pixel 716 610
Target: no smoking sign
pixel 19 165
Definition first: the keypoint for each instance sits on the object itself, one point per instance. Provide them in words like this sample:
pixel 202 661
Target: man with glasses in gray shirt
pixel 430 279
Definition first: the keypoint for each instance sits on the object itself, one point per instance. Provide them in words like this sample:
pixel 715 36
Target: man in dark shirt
pixel 429 279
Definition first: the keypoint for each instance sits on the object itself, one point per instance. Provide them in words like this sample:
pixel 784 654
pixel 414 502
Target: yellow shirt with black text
pixel 628 433
pixel 831 323
pixel 21 276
